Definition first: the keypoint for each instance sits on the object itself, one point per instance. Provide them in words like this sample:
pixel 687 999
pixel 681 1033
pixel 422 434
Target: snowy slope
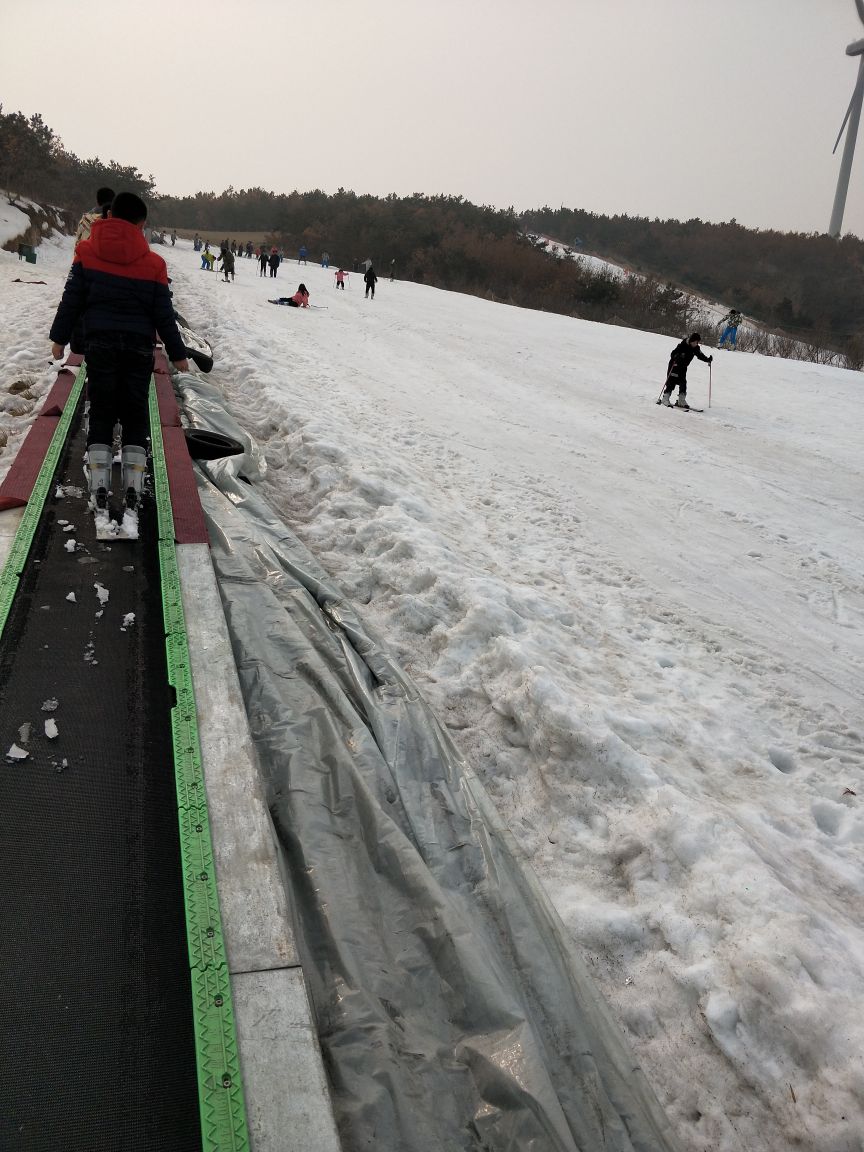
pixel 643 628
pixel 13 222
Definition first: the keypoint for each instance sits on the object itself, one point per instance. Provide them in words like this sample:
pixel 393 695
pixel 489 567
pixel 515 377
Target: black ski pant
pixel 119 367
pixel 672 381
pixel 370 288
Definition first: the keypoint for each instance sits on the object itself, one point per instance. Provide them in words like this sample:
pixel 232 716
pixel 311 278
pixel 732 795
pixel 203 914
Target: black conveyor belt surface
pixel 96 1041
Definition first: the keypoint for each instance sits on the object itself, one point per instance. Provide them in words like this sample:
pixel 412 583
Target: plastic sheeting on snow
pixel 451 1011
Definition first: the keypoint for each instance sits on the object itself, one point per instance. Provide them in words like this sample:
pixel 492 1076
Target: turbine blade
pixel 846 117
pixel 859 4
pixel 857 94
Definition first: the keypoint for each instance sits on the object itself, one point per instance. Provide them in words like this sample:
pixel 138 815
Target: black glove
pixel 710 359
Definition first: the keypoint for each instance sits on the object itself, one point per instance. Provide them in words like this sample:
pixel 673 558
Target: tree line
pixel 810 286
pixel 34 164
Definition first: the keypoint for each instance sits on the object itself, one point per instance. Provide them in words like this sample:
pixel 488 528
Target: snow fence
pixel 451 1010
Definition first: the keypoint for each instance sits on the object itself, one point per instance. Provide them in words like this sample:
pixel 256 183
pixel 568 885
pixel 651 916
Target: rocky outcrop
pixel 44 221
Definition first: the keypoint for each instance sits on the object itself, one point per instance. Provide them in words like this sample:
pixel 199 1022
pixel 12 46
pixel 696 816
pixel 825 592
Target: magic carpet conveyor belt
pixel 108 1013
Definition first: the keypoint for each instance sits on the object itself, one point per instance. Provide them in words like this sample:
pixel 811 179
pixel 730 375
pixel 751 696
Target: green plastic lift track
pixel 220 1089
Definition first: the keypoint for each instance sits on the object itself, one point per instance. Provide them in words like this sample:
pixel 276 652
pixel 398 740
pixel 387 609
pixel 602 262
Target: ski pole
pixel 710 366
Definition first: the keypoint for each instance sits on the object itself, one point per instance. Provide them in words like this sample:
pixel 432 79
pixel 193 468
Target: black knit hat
pixel 127 206
pixel 695 336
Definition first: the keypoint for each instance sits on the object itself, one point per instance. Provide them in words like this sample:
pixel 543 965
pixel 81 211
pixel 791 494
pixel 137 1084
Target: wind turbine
pixel 852 117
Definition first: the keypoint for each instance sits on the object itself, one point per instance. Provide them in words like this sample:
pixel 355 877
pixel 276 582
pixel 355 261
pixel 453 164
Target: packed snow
pixel 642 627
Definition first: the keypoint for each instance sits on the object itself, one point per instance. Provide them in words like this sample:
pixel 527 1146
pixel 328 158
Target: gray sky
pixel 709 108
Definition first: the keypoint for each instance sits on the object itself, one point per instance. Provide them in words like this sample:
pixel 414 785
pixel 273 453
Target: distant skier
pixel 104 196
pixel 227 259
pixel 392 271
pixel 676 373
pixel 340 279
pixel 207 257
pixel 248 249
pixel 262 261
pixel 303 253
pixel 370 280
pixel 325 259
pixel 120 289
pixel 274 261
pixel 730 331
pixel 173 237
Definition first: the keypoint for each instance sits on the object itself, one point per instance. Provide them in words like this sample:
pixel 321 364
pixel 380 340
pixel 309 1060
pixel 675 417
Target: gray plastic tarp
pixel 451 1009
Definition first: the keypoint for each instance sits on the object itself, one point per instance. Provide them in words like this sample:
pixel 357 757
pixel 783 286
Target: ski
pixel 690 408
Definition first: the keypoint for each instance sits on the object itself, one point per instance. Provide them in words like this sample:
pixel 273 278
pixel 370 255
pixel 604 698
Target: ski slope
pixel 642 627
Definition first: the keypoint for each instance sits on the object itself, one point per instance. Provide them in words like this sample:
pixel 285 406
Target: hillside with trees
pixel 809 285
pixel 812 287
pixel 34 163
pixel 444 241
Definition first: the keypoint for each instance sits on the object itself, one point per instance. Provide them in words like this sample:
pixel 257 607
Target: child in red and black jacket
pixel 120 289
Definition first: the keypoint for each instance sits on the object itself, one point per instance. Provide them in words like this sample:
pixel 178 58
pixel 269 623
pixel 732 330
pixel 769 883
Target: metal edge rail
pixel 220 1089
pixel 11 575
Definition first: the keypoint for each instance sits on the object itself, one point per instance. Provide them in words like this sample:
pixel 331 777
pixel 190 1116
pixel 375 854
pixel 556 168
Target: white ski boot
pixel 664 400
pixel 682 401
pixel 99 461
pixel 133 459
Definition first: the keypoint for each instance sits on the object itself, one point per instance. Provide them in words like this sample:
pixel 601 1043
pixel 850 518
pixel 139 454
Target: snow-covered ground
pixel 642 627
pixel 13 222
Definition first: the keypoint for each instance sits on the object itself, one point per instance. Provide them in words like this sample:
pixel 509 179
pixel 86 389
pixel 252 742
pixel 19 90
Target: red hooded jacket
pixel 118 285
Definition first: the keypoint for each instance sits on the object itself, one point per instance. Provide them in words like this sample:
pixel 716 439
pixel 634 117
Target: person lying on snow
pixel 300 299
pixel 676 373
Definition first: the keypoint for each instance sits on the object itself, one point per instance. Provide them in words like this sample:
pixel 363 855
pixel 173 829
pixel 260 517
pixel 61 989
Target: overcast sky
pixel 681 108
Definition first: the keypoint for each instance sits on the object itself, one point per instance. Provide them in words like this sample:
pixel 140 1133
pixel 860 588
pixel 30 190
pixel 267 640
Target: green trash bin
pixel 30 255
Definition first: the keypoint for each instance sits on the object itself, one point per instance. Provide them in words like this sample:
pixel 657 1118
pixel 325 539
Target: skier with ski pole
pixel 676 373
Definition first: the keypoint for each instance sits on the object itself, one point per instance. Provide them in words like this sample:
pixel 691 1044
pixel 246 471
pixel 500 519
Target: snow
pixel 642 628
pixel 13 222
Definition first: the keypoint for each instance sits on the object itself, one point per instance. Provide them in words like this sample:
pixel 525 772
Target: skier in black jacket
pixel 677 371
pixel 119 288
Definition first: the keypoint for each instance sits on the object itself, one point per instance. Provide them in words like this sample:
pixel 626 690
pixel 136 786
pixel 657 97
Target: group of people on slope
pixel 117 297
pixel 269 260
pixel 235 247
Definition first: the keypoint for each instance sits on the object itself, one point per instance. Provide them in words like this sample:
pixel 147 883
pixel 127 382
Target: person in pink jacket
pixel 300 299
